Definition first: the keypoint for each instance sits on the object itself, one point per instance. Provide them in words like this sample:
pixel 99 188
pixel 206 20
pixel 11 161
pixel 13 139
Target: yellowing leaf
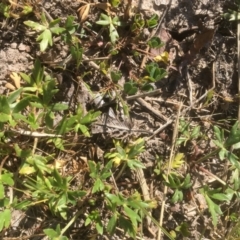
pixel 59 163
pixel 10 86
pixel 176 163
pixel 26 170
pixel 178 160
pixel 16 79
pixel 117 161
pixel 228 99
pixel 164 57
pixel 83 12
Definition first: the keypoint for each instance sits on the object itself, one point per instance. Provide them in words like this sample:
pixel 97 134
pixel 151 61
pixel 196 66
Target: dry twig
pixel 175 133
pixel 34 134
pixel 160 129
pixel 145 192
pixel 189 88
pixel 151 109
pixel 141 95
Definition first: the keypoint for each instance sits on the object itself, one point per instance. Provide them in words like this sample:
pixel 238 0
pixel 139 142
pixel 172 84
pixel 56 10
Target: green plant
pixel 70 27
pixel 15 9
pixel 211 195
pixel 155 42
pixel 95 217
pixel 153 21
pixel 55 234
pixel 127 154
pixel 188 132
pixel 234 233
pixel 154 74
pixel 232 15
pixel 78 122
pixel 227 146
pixel 38 95
pixel 138 23
pixel 32 106
pixel 115 3
pixel 46 31
pixel 130 88
pixel 8 107
pixel 5 9
pixel 132 207
pixel 234 180
pixel 183 229
pixel 5 216
pixel 99 175
pixel 177 162
pixel 115 76
pixel 76 52
pixel 175 182
pixel 6 179
pixel 112 23
pixel 54 190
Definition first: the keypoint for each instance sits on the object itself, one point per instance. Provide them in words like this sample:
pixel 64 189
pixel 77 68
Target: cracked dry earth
pixel 203 54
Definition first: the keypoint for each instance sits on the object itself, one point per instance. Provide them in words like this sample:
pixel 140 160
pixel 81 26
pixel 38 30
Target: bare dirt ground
pixel 202 49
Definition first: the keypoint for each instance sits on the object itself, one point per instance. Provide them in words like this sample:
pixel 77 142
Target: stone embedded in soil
pixel 12 60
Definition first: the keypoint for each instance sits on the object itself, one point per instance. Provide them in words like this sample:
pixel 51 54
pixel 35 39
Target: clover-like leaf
pixel 130 88
pixel 155 42
pixel 46 39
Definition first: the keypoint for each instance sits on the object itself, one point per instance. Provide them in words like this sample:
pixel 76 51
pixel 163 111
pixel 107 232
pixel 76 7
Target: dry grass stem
pixel 171 157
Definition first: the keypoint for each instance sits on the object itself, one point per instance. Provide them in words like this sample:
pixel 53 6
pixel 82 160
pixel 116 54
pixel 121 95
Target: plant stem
pixel 72 220
pixel 207 156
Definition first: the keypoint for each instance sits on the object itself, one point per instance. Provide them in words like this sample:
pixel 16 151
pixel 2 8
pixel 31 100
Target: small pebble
pixel 13 45
pixel 22 47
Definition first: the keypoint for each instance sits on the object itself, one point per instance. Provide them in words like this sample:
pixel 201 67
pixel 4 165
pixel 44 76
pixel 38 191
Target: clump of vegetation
pixel 40 133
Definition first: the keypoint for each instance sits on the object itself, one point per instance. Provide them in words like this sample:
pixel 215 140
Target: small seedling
pixel 6 179
pixel 112 23
pixel 183 229
pixel 175 182
pixel 132 208
pixel 154 74
pixel 138 23
pixel 224 145
pixel 153 21
pixel 211 195
pixel 78 122
pixel 76 52
pixel 130 88
pixel 99 175
pixel 54 190
pixel 55 234
pixel 155 42
pixel 115 3
pixel 188 133
pixel 5 10
pixel 127 154
pixel 115 76
pixel 94 217
pixel 46 31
